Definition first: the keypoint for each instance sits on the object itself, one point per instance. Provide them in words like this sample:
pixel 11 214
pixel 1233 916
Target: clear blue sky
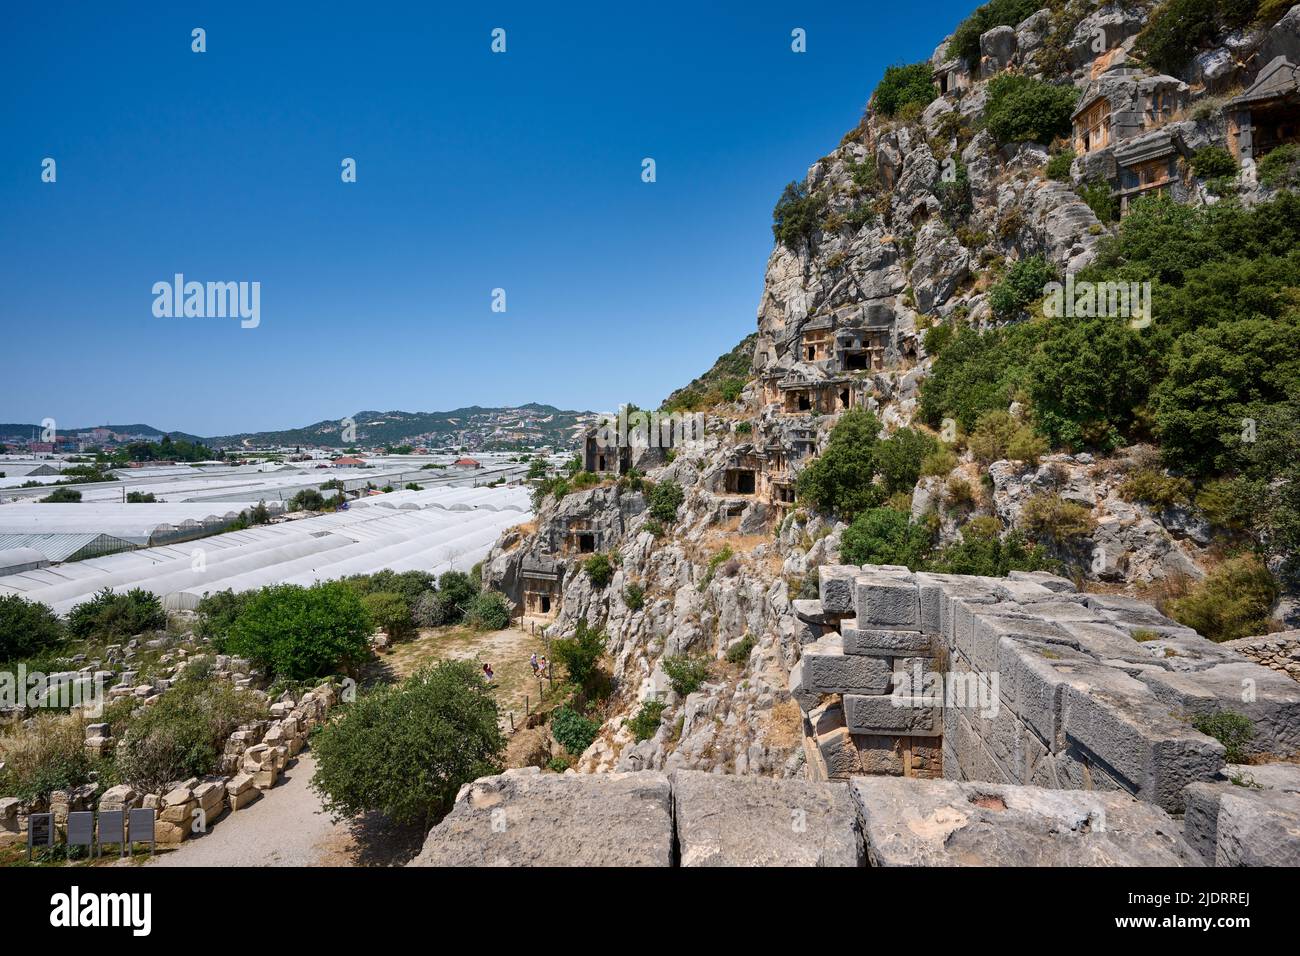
pixel 476 171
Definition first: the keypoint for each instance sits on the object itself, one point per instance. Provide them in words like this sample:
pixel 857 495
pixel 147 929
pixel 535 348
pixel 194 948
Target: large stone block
pixel 1120 721
pixel 835 587
pixel 724 820
pixel 828 670
pixel 527 818
pixel 884 643
pixel 988 630
pixel 907 822
pixel 893 714
pixel 887 601
pixel 1257 828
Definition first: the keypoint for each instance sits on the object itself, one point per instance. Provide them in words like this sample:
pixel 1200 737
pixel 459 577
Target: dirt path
pixel 288 827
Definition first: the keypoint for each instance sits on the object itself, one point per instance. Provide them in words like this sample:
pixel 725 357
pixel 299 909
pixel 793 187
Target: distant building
pixel 348 461
pixel 465 463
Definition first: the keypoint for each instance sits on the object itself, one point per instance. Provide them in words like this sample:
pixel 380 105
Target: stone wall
pixel 1032 684
pixel 1280 651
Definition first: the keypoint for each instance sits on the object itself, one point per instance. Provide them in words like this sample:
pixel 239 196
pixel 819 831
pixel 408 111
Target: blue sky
pixel 475 171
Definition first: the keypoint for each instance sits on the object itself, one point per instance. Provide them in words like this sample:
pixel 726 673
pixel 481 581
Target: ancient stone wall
pixel 1023 680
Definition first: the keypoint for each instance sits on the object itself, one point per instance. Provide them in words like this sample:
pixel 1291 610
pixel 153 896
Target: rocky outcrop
pixel 689 819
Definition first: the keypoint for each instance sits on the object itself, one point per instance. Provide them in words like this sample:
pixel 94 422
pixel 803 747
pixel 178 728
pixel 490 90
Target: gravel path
pixel 288 827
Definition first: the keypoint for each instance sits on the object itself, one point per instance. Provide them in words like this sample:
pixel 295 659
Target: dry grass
pixel 785 724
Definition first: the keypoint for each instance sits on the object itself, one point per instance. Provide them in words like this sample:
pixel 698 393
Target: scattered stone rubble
pixel 253 759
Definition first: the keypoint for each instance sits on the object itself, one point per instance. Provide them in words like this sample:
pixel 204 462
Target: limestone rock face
pixel 945 823
pixel 527 818
pixel 757 821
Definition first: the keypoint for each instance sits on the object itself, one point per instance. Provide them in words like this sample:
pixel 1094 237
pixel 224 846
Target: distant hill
pixel 475 426
pixel 707 390
pixel 25 431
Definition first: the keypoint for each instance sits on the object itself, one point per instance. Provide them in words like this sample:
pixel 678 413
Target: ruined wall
pixel 1280 651
pixel 1037 684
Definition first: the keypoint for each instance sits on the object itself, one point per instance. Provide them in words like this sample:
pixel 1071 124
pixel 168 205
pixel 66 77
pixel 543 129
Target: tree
pixel 796 215
pixel 1218 377
pixel 299 633
pixel 27 628
pixel 903 85
pixel 1021 109
pixel 842 479
pixel 574 731
pixel 109 616
pixel 405 751
pixel 1024 283
pixel 885 536
pixel 488 611
pixel 580 654
pixel 61 496
pixel 899 458
pixel 390 613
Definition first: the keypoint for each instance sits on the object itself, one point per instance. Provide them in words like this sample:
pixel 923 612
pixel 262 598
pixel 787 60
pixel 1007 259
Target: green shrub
pixel 965 42
pixel 954 195
pixel 646 722
pixel 309 499
pixel 1280 167
pixel 1024 283
pixel 599 569
pixel 634 597
pixel 902 86
pixel 1021 109
pixel 984 550
pixel 739 652
pixel 939 462
pixel 139 498
pixel 977 372
pixel 1233 601
pixel 1058 167
pixel 410 585
pixel 299 633
pixel 183 733
pixel 1154 487
pixel 685 673
pixel 580 654
pixel 665 498
pixel 28 628
pixel 900 456
pixel 1217 376
pixel 216 612
pixel 997 436
pixel 62 496
pixel 797 213
pixel 1229 728
pixel 488 611
pixel 842 479
pixel 406 750
pixel 1178 29
pixel 110 617
pixel 1048 517
pixel 1213 162
pixel 390 613
pixel 1098 197
pixel 574 732
pixel 48 755
pixel 885 536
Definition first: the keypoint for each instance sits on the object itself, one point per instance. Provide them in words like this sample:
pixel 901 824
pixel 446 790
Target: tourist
pixel 487 671
pixel 533 661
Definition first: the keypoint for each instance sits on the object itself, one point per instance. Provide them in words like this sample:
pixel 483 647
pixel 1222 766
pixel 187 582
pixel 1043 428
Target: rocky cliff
pixel 930 215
